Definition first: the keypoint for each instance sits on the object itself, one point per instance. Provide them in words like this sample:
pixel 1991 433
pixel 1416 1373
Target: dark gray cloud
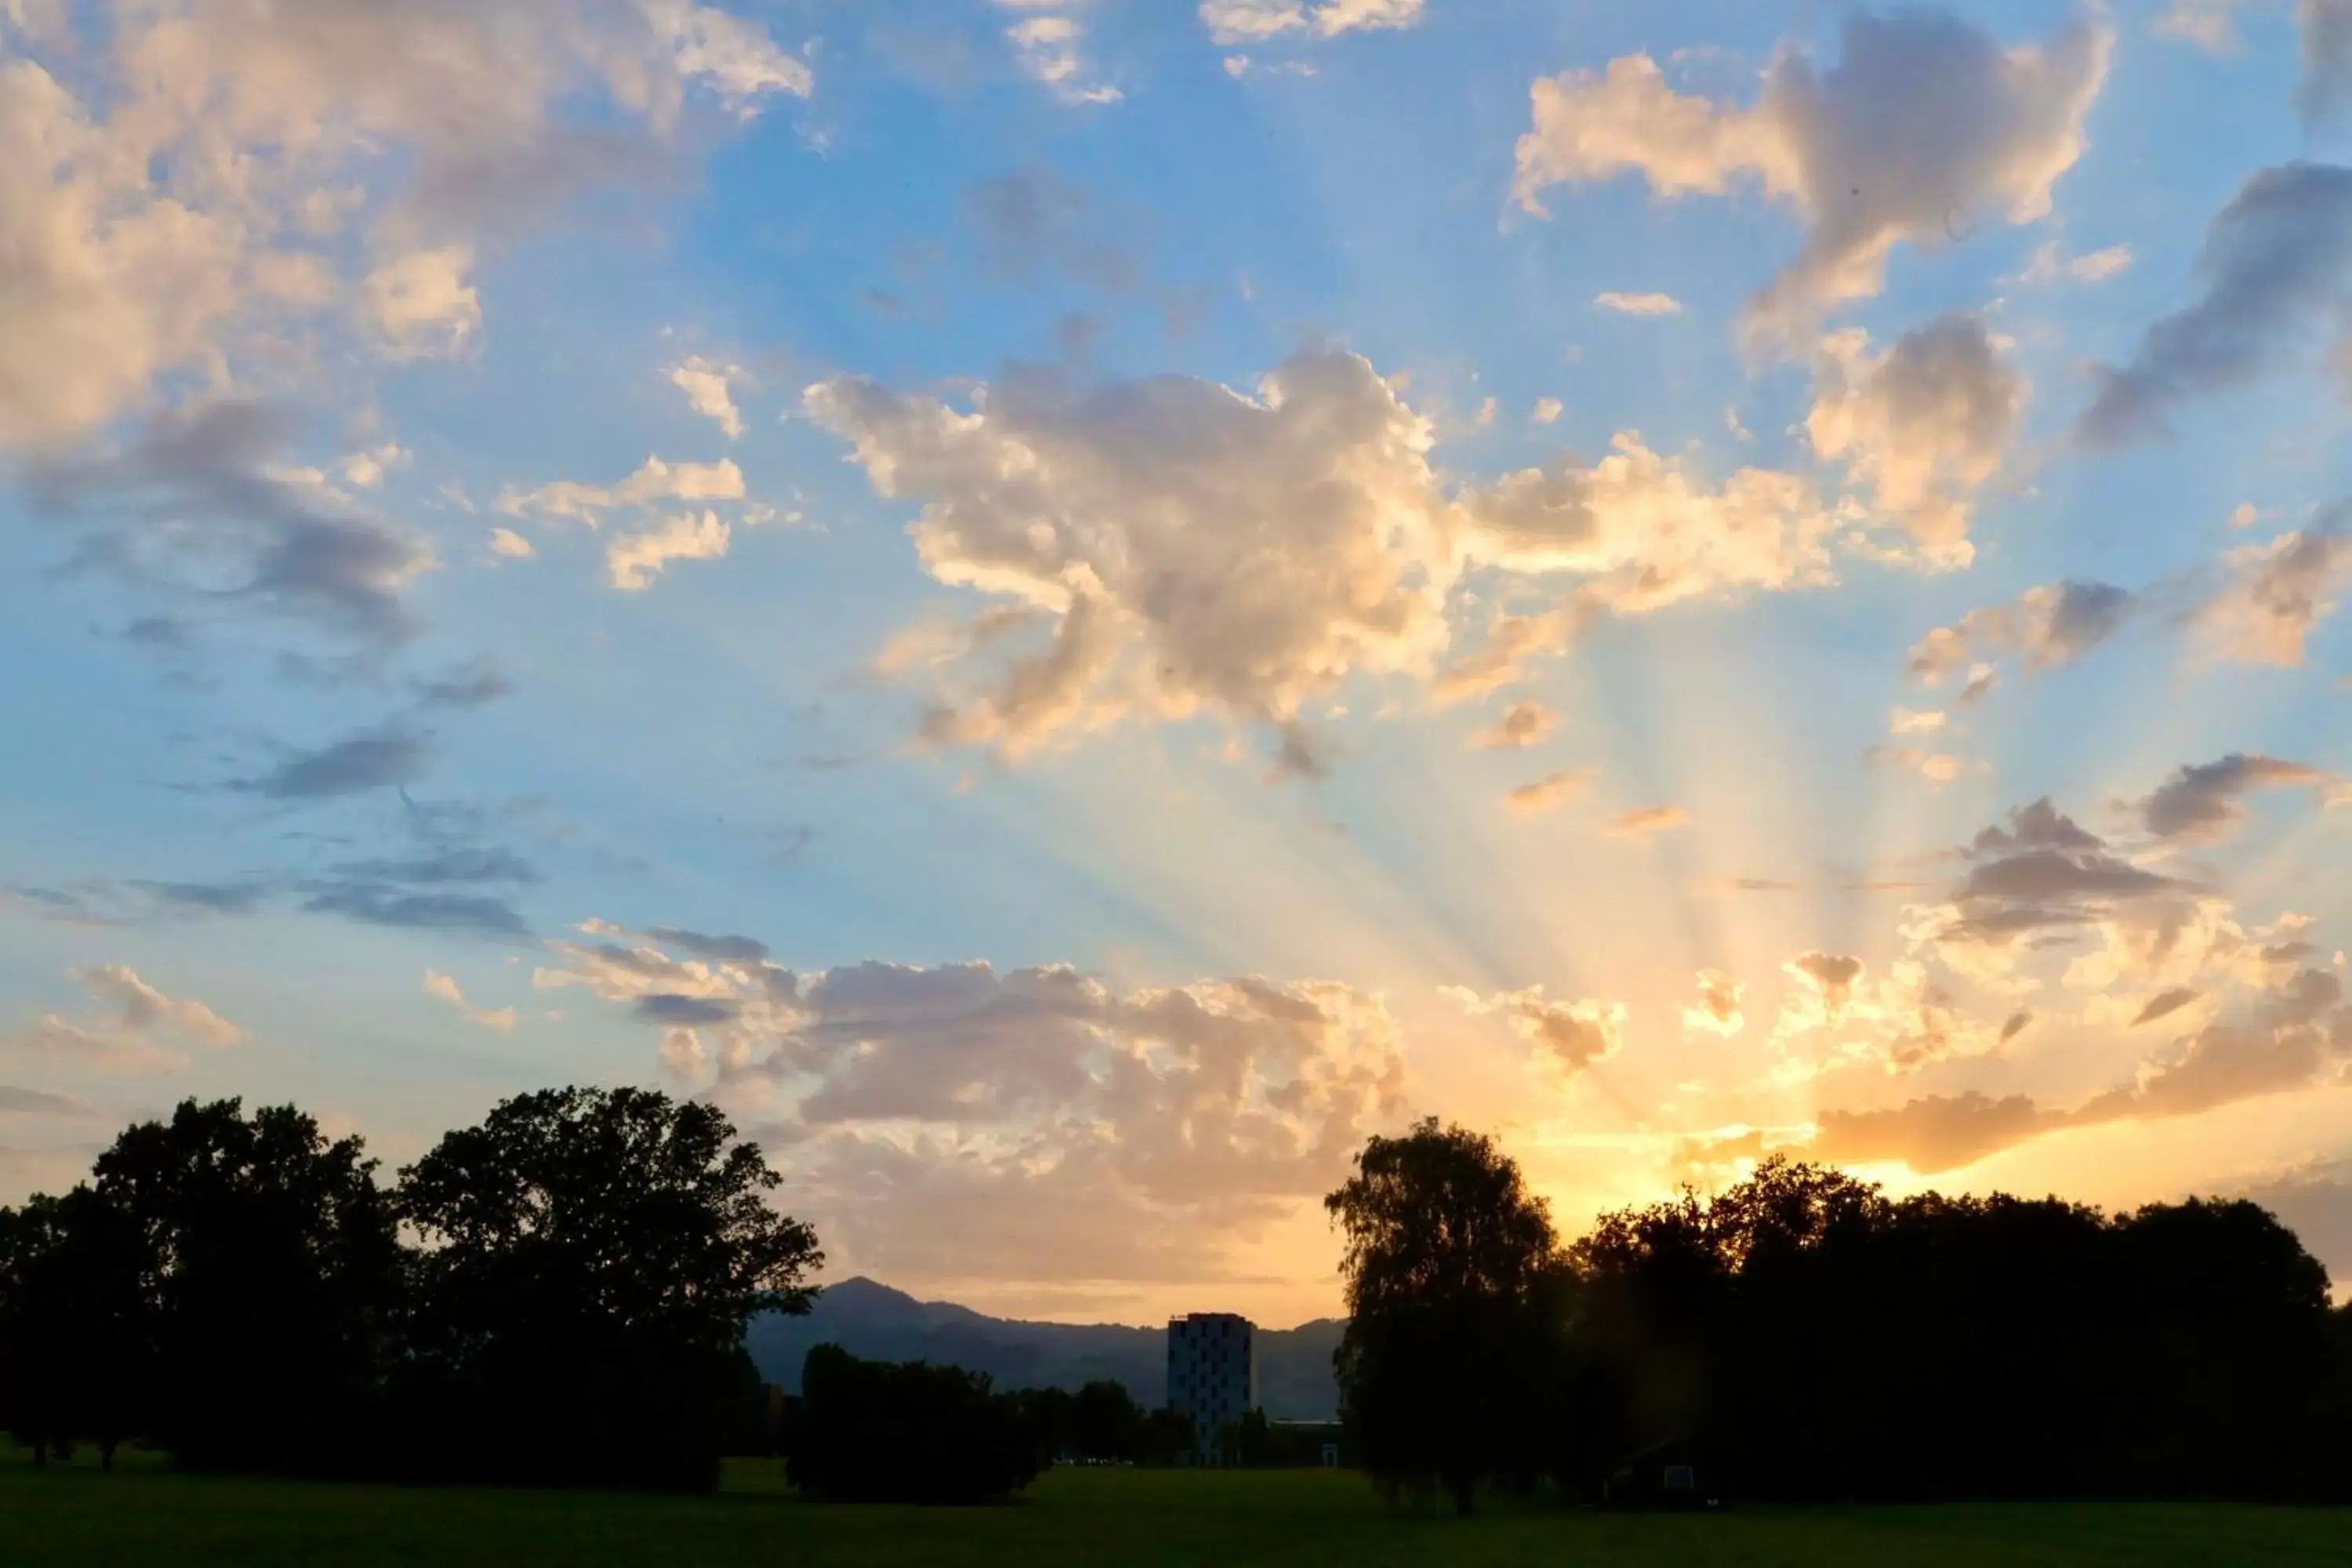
pixel 687 1012
pixel 724 949
pixel 2205 800
pixel 33 1103
pixel 374 760
pixel 2326 90
pixel 471 686
pixel 211 897
pixel 198 496
pixel 2052 874
pixel 2163 1004
pixel 1033 223
pixel 2041 826
pixel 466 865
pixel 386 905
pixel 2277 271
pixel 1940 1133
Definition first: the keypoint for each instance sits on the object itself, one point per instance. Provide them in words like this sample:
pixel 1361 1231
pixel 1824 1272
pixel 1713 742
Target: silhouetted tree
pixel 268 1274
pixel 72 1335
pixel 907 1432
pixel 589 1261
pixel 1105 1423
pixel 1454 1288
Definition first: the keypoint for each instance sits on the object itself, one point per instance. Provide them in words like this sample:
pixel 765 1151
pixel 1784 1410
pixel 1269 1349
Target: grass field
pixel 1157 1519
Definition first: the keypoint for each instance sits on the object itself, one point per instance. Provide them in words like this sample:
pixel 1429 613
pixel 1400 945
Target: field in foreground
pixel 1157 1519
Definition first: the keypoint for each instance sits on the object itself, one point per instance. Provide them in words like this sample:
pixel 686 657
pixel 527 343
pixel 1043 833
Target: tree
pixel 1454 1288
pixel 877 1431
pixel 591 1258
pixel 72 1339
pixel 268 1278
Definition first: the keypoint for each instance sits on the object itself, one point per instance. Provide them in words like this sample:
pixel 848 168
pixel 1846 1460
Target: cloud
pixel 1048 50
pixel 2277 271
pixel 2205 800
pixel 1924 424
pixel 2163 1004
pixel 501 1019
pixel 685 1012
pixel 270 538
pixel 1648 820
pixel 368 760
pixel 1915 721
pixel 1650 531
pixel 2276 593
pixel 1528 723
pixel 381 904
pixel 420 304
pixel 367 470
pixel 1639 304
pixel 1549 410
pixel 709 387
pixel 1718 1009
pixel 1571 1035
pixel 475 685
pixel 1548 792
pixel 136 1027
pixel 1185 547
pixel 2044 628
pixel 448 867
pixel 653 483
pixel 1925 124
pixel 1232 22
pixel 180 194
pixel 2097 266
pixel 507 544
pixel 1163 548
pixel 1936 767
pixel 17 1101
pixel 635 560
pixel 1034 224
pixel 726 948
pixel 1134 1126
pixel 1940 1133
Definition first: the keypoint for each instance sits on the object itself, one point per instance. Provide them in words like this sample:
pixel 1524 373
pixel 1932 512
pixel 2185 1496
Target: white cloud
pixel 2276 593
pixel 635 560
pixel 512 546
pixel 1234 22
pixel 136 1028
pixel 1639 304
pixel 2048 626
pixel 1549 410
pixel 1915 721
pixel 709 386
pixel 1925 124
pixel 420 303
pixel 1048 48
pixel 654 483
pixel 174 197
pixel 2048 266
pixel 366 470
pixel 447 988
pixel 1129 1122
pixel 1924 424
pixel 1548 792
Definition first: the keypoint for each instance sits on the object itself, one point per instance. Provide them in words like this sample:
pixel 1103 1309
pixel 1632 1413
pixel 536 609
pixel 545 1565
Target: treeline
pixel 557 1296
pixel 1803 1337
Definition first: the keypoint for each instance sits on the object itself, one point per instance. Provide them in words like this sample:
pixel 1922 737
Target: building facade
pixel 1212 1376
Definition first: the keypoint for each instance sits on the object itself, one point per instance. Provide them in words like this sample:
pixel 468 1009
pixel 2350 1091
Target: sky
pixel 1069 607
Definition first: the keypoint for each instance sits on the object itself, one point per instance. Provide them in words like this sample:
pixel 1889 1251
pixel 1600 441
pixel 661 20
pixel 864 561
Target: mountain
pixel 873 1321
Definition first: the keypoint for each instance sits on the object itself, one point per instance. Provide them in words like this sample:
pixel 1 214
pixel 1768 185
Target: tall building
pixel 1211 1375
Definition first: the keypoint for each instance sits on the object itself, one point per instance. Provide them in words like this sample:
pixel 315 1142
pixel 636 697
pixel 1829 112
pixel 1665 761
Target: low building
pixel 1211 1376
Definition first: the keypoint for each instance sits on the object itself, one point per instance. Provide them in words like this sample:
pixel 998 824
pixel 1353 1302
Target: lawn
pixel 1158 1518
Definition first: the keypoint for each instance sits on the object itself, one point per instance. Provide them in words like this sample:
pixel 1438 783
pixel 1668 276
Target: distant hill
pixel 1295 1381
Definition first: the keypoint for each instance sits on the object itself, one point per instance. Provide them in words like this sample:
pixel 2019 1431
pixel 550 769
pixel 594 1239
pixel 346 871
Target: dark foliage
pixel 1453 1281
pixel 1101 1423
pixel 907 1432
pixel 1822 1341
pixel 269 1282
pixel 589 1261
pixel 72 1327
pixel 235 1290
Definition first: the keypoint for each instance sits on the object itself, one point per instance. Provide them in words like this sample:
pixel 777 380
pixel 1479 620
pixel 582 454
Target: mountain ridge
pixel 868 1318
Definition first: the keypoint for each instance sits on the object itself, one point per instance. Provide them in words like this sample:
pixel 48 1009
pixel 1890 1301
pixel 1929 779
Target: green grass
pixel 144 1514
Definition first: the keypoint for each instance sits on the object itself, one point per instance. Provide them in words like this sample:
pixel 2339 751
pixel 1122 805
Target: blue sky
pixel 1071 605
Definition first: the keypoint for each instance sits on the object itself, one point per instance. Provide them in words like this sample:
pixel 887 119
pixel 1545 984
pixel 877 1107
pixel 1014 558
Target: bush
pixel 907 1432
